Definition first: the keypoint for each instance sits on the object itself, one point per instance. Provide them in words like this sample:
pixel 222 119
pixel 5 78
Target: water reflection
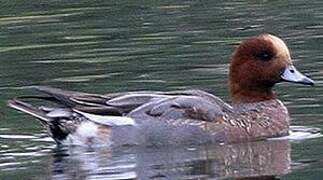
pixel 263 159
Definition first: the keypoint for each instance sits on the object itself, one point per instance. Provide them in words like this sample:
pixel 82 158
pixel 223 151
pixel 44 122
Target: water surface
pixel 107 46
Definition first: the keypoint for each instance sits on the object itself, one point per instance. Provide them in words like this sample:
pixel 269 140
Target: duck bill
pixel 291 74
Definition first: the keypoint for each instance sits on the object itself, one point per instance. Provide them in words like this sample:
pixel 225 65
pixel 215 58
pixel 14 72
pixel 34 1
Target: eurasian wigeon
pixel 177 117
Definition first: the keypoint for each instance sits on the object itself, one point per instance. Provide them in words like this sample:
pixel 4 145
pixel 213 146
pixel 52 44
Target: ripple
pixel 4 129
pixel 154 38
pixel 298 133
pixel 31 18
pixel 123 175
pixel 174 7
pixel 85 78
pixel 17 137
pixel 44 139
pixel 148 81
pixel 27 154
pixel 9 164
pixel 40 46
pixel 80 37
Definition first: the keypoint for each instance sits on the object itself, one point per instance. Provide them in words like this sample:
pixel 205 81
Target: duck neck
pixel 250 93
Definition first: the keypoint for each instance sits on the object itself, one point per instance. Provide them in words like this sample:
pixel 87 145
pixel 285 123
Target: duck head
pixel 259 63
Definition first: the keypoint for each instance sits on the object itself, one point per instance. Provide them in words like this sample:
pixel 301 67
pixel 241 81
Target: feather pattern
pixel 174 114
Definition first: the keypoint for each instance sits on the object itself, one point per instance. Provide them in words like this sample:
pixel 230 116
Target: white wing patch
pixel 109 120
pixel 87 129
pixel 59 113
pixel 87 134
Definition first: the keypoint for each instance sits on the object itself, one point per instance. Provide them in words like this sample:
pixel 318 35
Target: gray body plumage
pixel 137 118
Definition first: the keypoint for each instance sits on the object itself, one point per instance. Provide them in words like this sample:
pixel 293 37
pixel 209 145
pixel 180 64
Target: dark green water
pixel 109 46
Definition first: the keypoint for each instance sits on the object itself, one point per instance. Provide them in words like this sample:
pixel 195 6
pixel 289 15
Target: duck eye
pixel 265 55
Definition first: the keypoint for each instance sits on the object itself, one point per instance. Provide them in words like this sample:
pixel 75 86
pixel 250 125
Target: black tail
pixel 58 109
pixel 54 125
pixel 29 109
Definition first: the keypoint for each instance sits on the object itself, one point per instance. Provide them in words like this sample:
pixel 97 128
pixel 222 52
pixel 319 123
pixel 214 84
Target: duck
pixel 180 117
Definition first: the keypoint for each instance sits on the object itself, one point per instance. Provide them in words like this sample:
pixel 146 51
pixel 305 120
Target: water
pixel 112 46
